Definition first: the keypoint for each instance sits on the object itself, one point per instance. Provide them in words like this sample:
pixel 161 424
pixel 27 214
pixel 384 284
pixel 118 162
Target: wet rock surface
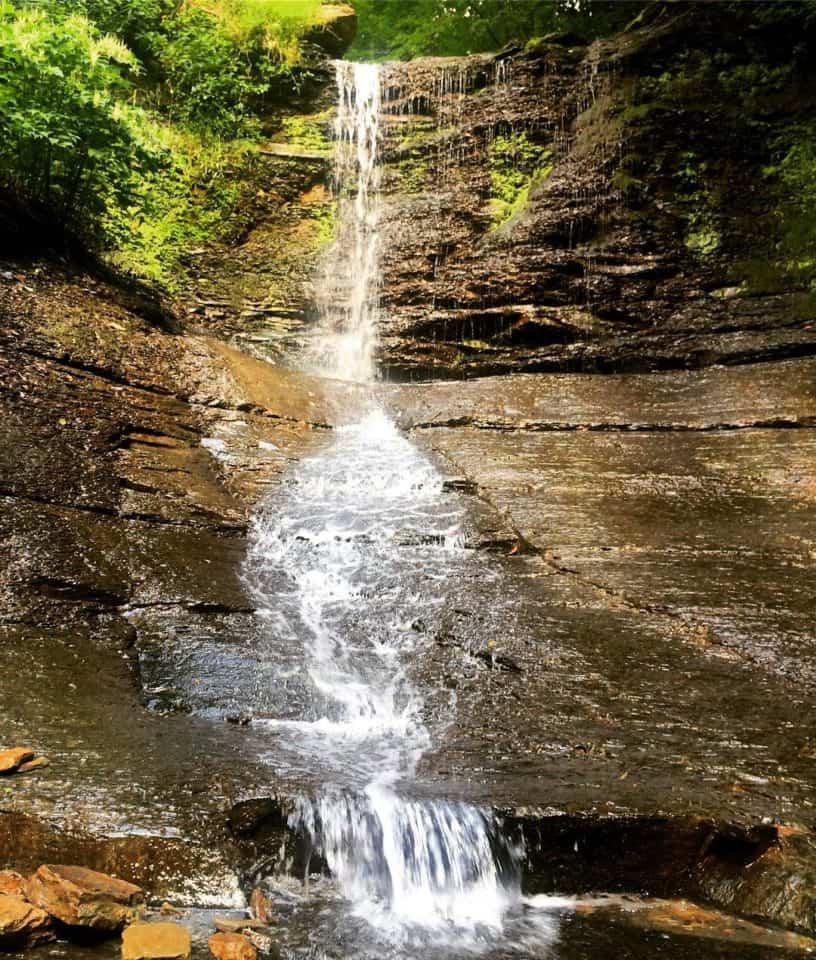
pixel 596 267
pixel 636 698
pixel 639 686
pixel 79 897
pixel 131 459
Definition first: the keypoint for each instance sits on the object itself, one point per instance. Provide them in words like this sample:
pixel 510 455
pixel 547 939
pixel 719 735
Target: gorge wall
pixel 563 206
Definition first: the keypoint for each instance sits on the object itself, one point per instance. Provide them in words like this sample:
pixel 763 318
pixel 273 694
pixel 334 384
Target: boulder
pixel 10 760
pixel 231 946
pixel 22 924
pixel 156 941
pixel 12 884
pixel 84 898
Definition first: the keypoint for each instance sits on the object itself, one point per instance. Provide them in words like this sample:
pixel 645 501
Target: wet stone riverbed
pixel 433 642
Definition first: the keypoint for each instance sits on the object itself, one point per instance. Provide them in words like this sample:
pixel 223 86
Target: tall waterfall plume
pixel 346 291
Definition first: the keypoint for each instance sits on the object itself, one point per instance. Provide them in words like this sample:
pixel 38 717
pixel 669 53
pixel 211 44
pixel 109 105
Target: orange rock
pixel 231 946
pixel 10 760
pixel 22 924
pixel 156 941
pixel 35 764
pixel 84 898
pixel 12 884
pixel 260 906
pixel 237 924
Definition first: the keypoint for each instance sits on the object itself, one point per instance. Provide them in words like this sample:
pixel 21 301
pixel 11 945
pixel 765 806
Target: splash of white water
pixel 438 866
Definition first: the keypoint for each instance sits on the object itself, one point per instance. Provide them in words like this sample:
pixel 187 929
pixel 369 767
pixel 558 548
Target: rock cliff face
pixel 566 207
pixel 562 207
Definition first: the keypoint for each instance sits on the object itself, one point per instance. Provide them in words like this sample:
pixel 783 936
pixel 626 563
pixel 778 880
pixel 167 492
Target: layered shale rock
pixel 604 207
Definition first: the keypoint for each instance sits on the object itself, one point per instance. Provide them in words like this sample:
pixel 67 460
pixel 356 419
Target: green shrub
pixel 68 140
pixel 209 83
pixel 795 174
pixel 183 205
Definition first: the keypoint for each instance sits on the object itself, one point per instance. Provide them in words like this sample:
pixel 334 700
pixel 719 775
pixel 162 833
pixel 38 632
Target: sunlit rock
pixel 84 898
pixel 156 941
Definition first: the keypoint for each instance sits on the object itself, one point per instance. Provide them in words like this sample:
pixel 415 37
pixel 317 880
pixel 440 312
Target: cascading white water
pixel 346 290
pixel 368 538
pixel 365 528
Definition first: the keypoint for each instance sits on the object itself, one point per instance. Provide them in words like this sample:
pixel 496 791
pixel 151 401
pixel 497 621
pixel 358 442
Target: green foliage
pixel 206 63
pixel 210 85
pixel 68 141
pixel 324 215
pixel 517 164
pixel 182 206
pixel 308 133
pixel 795 176
pixel 412 173
pixel 119 118
pixel 280 21
pixel 401 29
pixel 137 23
pixel 699 203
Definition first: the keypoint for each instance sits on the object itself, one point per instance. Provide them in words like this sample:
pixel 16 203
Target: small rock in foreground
pixel 22 924
pixel 36 764
pixel 260 939
pixel 84 898
pixel 156 941
pixel 260 906
pixel 231 946
pixel 236 924
pixel 10 760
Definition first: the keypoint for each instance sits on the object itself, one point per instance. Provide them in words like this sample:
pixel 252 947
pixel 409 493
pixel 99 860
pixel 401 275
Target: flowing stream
pixel 372 546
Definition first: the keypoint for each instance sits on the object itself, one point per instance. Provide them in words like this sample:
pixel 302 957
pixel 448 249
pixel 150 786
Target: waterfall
pixel 435 865
pixel 346 289
pixel 370 545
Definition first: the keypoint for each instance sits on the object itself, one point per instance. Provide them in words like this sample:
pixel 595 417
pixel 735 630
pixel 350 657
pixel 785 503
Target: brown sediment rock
pixel 84 898
pixel 596 268
pixel 156 941
pixel 22 924
pixel 38 763
pixel 11 760
pixel 231 946
pixel 12 884
pixel 684 917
